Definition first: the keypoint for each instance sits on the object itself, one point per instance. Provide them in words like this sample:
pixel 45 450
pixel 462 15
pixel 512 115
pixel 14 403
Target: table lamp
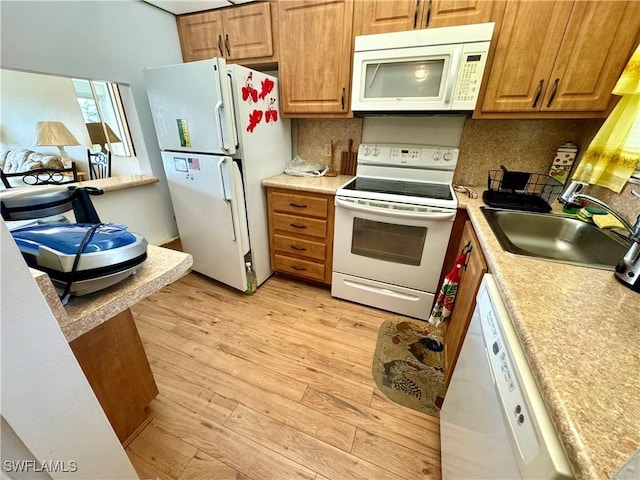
pixel 55 134
pixel 101 134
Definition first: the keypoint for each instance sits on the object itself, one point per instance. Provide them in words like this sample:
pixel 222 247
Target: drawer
pixel 299 204
pixel 300 225
pixel 301 268
pixel 299 247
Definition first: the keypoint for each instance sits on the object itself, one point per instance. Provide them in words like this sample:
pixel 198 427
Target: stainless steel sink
pixel 557 238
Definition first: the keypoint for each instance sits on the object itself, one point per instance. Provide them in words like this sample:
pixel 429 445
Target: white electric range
pixel 392 227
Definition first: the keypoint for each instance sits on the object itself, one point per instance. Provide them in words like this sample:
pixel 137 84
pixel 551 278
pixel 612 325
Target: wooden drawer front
pixel 301 268
pixel 299 204
pixel 299 247
pixel 300 225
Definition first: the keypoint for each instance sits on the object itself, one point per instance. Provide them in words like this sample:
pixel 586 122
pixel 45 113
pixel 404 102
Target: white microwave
pixel 432 69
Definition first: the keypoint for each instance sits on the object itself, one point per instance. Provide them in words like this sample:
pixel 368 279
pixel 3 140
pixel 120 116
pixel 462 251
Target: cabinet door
pixel 525 54
pixel 470 279
pixel 201 36
pixel 599 38
pixel 446 13
pixel 382 16
pixel 315 56
pixel 247 31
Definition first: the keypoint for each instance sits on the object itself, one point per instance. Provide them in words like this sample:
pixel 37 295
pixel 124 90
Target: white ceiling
pixel 178 7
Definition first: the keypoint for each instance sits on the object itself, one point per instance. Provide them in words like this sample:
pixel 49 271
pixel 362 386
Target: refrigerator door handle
pixel 226 192
pixel 217 108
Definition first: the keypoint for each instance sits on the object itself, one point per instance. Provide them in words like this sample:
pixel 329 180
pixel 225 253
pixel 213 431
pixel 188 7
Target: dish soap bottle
pixel 251 280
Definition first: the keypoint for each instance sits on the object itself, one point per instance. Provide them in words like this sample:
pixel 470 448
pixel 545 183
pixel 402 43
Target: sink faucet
pixel 572 194
pixel 628 270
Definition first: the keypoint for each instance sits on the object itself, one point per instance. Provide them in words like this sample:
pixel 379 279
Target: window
pixel 101 107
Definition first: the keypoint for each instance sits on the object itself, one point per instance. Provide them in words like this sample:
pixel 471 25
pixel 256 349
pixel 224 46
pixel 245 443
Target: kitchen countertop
pixel 112 184
pixel 327 185
pixel 580 331
pixel 162 267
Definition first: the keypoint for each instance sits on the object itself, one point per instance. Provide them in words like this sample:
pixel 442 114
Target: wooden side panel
pixel 600 37
pixel 116 366
pixel 470 279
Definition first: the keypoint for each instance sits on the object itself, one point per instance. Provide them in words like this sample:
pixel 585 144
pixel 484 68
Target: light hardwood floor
pixel 272 386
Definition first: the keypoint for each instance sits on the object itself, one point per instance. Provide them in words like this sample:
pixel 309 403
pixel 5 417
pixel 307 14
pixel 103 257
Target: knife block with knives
pixel 348 161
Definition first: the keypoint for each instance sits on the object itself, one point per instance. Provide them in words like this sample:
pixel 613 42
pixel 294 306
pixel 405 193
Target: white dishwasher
pixel 493 423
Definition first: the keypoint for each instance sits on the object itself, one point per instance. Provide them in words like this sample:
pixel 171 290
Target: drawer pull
pixel 299 269
pixel 300 249
pixel 295 205
pixel 297 225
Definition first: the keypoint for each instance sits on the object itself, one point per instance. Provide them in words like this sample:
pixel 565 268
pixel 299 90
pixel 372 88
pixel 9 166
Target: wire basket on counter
pixel 533 192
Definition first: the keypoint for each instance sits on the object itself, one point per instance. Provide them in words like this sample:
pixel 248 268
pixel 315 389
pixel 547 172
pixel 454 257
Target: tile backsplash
pixel 314 134
pixel 520 145
pixel 524 145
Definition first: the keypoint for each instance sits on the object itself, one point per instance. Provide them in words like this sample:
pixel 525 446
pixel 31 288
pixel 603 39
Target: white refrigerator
pixel 221 133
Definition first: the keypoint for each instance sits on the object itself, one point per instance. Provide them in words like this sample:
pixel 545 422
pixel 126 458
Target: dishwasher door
pixel 493 423
pixel 474 439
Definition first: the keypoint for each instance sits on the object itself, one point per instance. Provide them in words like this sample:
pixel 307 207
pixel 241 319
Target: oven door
pixel 389 242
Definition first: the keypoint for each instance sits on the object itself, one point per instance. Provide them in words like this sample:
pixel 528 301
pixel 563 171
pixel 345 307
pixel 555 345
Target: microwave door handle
pixel 395 213
pixel 373 77
pixel 452 77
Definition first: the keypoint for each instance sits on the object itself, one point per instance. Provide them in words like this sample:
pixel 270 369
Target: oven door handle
pixel 395 213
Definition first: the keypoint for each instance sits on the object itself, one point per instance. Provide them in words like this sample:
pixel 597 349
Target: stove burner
pixel 436 191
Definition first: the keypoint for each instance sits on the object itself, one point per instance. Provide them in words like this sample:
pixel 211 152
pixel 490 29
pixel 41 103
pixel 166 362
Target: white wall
pixel 101 40
pixel 44 396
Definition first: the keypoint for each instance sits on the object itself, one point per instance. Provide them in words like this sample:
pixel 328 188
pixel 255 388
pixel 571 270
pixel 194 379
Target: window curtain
pixel 613 155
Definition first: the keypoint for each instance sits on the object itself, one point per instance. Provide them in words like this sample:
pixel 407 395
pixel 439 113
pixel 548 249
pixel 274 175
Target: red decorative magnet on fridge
pixel 249 94
pixel 271 114
pixel 254 119
pixel 266 87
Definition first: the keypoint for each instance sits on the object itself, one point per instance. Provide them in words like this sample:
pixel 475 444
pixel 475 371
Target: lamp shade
pixel 54 134
pixel 97 133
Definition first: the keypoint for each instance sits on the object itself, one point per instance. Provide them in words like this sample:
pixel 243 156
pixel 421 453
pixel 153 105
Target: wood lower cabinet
pixel 470 278
pixel 382 16
pixel 112 358
pixel 315 38
pixel 242 33
pixel 553 57
pixel 301 233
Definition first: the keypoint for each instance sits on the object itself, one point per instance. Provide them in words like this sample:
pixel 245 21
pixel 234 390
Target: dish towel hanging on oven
pixel 447 296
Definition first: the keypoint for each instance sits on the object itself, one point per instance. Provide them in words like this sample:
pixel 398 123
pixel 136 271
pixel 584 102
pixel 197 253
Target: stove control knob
pixel 367 150
pixel 447 156
pixel 376 152
pixel 437 156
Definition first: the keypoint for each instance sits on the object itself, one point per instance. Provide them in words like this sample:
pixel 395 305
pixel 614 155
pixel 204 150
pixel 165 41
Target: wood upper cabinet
pixel 381 16
pixel 470 278
pixel 560 56
pixel 447 13
pixel 315 57
pixel 236 33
